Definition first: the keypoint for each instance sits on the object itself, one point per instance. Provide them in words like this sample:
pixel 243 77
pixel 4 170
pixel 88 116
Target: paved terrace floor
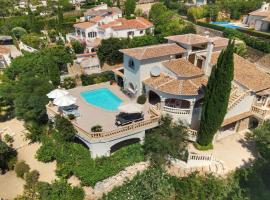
pixel 91 115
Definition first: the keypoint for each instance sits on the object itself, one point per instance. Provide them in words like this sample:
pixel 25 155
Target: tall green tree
pixel 130 6
pixel 216 97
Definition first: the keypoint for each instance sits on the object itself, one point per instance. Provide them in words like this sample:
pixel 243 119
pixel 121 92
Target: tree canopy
pixel 216 96
pixel 130 6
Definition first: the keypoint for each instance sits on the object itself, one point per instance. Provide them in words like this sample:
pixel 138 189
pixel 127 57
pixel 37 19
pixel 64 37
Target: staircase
pixel 236 97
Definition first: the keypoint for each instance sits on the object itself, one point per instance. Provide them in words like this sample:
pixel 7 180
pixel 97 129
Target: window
pixel 131 64
pixel 141 32
pixel 178 56
pixel 130 33
pixel 83 34
pixel 78 32
pixel 92 34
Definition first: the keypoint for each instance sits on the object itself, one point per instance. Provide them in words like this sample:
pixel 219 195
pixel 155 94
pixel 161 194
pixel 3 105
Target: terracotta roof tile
pixel 189 39
pixel 83 25
pixel 174 86
pixel 153 51
pixel 260 13
pixel 96 19
pixel 247 74
pixel 183 68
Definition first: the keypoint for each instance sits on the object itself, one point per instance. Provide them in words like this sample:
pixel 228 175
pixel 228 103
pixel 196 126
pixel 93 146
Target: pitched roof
pixel 4 50
pixel 153 51
pixel 83 25
pixel 123 24
pixel 260 13
pixel 236 118
pixel 96 19
pixel 190 39
pixel 183 68
pixel 247 74
pixel 174 86
pixel 101 12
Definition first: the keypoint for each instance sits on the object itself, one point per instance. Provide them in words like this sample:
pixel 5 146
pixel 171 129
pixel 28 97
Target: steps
pixel 236 97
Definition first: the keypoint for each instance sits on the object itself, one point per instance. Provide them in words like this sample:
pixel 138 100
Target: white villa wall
pixel 86 31
pixel 252 20
pixel 244 106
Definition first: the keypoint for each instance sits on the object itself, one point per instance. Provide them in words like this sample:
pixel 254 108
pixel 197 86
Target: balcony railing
pixel 178 111
pixel 118 132
pixel 263 113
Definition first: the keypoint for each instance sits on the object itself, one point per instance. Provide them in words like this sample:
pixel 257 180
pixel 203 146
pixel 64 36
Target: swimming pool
pixel 102 98
pixel 226 25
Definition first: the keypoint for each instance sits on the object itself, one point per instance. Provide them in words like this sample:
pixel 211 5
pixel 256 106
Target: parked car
pixel 125 118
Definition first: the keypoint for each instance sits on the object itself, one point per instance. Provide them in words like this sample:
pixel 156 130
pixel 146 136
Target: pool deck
pixel 91 115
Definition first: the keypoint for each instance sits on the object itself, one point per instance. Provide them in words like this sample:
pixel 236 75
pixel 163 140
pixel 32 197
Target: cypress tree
pixel 217 96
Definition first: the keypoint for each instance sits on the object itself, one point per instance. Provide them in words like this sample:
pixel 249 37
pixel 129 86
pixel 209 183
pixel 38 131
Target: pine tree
pixel 217 95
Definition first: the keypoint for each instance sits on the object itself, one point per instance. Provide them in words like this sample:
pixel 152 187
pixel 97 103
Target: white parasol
pixel 130 108
pixel 57 93
pixel 65 100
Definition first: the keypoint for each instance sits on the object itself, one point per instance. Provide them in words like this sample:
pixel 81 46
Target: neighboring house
pixel 259 19
pixel 5 57
pixel 174 76
pixel 104 22
pixel 87 63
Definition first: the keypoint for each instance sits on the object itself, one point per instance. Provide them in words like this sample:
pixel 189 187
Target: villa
pixel 259 19
pixel 173 76
pixel 103 22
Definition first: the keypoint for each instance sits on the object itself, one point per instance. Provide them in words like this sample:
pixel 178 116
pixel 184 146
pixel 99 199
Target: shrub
pixel 97 78
pixel 21 168
pixel 69 83
pixel 34 131
pixel 18 32
pixel 141 99
pixel 46 153
pixel 64 128
pixel 77 47
pixel 33 40
pixel 7 156
pixel 8 138
pixel 203 148
pixel 71 116
pixel 97 128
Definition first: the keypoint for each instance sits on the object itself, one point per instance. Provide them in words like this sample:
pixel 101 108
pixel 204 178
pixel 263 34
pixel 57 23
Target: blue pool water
pixel 226 25
pixel 102 98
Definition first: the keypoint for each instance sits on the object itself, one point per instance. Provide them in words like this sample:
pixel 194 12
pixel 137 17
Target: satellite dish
pixel 155 71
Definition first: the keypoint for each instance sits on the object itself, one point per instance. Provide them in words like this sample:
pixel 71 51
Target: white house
pixel 104 22
pixel 259 19
pixel 174 76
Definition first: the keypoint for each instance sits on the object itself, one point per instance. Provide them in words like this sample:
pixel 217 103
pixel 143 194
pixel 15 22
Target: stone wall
pixel 243 124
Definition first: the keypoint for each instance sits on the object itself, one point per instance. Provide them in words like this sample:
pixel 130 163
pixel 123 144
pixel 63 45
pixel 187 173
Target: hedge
pixel 212 26
pixel 252 41
pixel 254 33
pixel 75 159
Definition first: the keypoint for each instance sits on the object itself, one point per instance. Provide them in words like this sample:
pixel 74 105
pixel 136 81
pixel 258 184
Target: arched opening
pixel 79 141
pixel 253 123
pixel 154 98
pixel 131 86
pixel 124 143
pixel 177 103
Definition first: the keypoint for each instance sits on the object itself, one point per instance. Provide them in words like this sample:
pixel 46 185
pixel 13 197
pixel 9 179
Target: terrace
pixel 90 115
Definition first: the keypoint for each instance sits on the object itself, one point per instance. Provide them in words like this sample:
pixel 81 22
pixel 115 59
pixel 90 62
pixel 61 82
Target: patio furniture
pixel 125 118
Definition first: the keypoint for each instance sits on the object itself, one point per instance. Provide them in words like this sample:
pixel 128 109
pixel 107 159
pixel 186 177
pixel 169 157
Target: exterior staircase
pixel 236 97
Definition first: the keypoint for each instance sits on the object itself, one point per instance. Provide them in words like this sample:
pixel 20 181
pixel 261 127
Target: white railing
pixel 199 159
pixel 23 46
pixel 121 131
pixel 238 100
pixel 260 112
pixel 178 111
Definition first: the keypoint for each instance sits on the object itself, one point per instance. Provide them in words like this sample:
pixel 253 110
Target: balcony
pixel 261 112
pixel 179 111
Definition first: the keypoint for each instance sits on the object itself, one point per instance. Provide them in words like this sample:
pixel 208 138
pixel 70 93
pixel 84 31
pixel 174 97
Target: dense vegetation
pixel 73 158
pixel 97 78
pixel 7 157
pixel 216 98
pixel 30 77
pixel 168 139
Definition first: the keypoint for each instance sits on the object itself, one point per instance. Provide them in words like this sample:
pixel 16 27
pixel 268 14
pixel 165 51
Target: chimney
pixel 209 51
